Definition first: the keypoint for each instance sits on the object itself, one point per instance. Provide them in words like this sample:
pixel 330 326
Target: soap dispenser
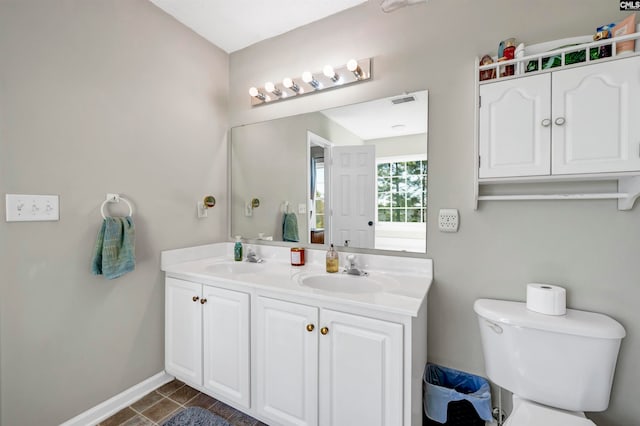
pixel 237 249
pixel 332 260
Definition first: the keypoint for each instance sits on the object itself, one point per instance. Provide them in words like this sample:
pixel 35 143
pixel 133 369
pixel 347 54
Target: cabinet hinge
pixel 479 160
pixel 479 101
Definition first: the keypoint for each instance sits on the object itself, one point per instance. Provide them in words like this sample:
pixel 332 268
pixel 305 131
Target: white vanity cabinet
pixel 319 366
pixel 580 120
pixel 207 338
pixel 285 337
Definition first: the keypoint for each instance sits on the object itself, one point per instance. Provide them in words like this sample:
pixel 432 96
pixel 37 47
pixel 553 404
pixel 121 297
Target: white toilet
pixel 556 366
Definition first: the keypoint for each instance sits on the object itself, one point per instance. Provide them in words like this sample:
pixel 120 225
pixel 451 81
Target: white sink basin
pixel 344 283
pixel 234 267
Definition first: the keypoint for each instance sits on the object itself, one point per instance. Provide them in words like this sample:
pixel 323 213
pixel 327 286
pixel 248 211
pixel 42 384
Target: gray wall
pixel 277 149
pixel 589 247
pixel 97 97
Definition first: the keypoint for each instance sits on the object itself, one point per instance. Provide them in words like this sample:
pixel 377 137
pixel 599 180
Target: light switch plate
pixel 32 208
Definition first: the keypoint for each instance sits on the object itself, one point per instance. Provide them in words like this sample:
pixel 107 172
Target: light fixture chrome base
pixel 345 78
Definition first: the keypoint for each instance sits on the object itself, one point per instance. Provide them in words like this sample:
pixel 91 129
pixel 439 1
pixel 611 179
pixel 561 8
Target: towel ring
pixel 114 198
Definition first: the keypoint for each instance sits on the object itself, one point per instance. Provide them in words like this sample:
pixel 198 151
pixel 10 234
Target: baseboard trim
pixel 111 406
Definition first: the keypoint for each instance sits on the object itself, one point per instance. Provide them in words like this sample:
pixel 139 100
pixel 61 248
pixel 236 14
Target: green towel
pixel 114 253
pixel 290 227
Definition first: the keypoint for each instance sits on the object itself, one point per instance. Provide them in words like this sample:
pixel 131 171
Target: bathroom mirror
pixel 353 176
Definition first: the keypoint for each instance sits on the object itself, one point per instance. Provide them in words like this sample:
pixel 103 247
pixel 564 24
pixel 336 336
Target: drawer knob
pixel 324 331
pixel 310 327
pixel 203 301
pixel 195 298
pixel 546 122
pixel 560 121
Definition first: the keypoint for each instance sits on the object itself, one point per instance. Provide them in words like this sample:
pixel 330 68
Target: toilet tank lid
pixel 579 323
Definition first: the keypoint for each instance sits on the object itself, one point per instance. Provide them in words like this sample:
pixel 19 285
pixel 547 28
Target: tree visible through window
pixel 402 191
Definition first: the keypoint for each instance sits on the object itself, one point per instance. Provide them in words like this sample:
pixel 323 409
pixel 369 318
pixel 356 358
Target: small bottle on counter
pixel 297 256
pixel 237 249
pixel 332 260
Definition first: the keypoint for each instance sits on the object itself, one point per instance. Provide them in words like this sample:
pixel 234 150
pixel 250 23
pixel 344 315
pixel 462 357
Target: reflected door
pixel 353 195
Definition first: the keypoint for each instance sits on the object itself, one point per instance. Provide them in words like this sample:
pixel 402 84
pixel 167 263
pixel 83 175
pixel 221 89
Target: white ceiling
pixel 235 24
pixel 383 119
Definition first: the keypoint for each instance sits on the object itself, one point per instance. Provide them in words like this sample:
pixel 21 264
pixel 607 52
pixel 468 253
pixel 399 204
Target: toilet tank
pixel 564 361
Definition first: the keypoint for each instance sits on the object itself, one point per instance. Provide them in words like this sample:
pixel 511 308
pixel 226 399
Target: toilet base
pixel 529 413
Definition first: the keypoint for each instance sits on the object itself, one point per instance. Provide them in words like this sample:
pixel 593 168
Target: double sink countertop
pixel 394 284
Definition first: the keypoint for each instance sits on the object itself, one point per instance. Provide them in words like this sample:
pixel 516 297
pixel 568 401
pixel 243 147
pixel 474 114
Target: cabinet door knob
pixel 310 327
pixel 546 122
pixel 203 301
pixel 560 121
pixel 195 298
pixel 324 331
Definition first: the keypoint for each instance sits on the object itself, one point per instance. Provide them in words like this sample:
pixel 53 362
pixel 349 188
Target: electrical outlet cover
pixel 448 220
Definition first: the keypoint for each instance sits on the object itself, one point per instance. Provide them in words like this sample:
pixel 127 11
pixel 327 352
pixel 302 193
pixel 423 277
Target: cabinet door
pixel 225 322
pixel 600 107
pixel 286 362
pixel 361 362
pixel 514 133
pixel 183 330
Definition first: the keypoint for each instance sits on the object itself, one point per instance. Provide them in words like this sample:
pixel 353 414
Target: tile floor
pixel 169 399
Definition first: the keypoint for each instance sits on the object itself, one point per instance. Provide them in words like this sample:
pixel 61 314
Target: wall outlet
pixel 448 220
pixel 32 208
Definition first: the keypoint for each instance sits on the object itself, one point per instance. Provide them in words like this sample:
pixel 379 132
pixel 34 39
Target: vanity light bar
pixel 354 71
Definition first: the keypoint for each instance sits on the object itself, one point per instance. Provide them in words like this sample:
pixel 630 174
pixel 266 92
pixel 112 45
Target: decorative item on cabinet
pixel 487 74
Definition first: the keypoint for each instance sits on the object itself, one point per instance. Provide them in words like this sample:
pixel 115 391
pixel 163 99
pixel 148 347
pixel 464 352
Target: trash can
pixel 455 398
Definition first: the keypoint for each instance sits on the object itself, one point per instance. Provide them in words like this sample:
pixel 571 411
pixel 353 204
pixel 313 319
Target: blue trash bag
pixel 444 385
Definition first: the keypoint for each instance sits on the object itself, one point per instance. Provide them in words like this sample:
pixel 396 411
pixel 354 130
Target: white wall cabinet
pixel 580 120
pixel 207 338
pixel 321 366
pixel 514 136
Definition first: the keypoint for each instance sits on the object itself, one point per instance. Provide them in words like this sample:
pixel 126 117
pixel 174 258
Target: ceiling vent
pixel 403 100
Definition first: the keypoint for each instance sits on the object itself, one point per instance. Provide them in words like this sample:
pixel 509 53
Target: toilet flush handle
pixel 495 327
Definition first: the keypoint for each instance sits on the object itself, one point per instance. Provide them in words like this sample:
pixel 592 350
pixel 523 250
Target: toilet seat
pixel 528 413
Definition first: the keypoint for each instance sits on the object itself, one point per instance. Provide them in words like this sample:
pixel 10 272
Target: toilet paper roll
pixel 546 299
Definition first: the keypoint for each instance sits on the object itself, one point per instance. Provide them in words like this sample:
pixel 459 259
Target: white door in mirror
pixel 448 220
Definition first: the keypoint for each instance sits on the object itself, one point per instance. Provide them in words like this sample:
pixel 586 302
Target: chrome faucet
pixel 252 257
pixel 352 269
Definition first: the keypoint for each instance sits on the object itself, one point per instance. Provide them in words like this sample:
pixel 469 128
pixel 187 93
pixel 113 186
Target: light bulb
pixel 328 71
pixel 253 92
pixel 353 66
pixel 288 83
pixel 271 88
pixel 307 77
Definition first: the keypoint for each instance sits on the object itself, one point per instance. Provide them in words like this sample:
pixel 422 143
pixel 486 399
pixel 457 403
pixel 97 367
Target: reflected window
pixel 402 191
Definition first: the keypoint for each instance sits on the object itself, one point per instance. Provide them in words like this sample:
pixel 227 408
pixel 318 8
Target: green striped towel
pixel 114 253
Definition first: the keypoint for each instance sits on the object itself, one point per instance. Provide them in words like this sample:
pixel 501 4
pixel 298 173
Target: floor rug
pixel 196 416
